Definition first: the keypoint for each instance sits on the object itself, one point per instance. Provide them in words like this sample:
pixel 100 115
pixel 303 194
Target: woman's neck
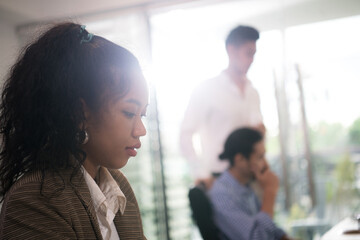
pixel 91 168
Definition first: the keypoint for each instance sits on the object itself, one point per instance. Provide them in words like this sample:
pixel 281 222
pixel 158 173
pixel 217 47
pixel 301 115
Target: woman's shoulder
pixel 28 181
pixel 25 193
pixel 36 184
pixel 42 205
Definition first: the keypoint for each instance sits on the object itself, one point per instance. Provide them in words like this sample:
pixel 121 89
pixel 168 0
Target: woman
pixel 71 114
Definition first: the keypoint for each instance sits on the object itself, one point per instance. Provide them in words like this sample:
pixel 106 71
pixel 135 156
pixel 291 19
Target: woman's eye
pixel 129 114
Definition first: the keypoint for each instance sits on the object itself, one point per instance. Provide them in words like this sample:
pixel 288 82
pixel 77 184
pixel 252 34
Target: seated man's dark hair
pixel 240 141
pixel 241 35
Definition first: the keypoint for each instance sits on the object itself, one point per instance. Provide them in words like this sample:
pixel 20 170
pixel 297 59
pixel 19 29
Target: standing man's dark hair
pixel 242 34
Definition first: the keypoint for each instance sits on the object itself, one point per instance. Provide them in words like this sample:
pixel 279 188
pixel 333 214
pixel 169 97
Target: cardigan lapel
pixel 127 225
pixel 82 191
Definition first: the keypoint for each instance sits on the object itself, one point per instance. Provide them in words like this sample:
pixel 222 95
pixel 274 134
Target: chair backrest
pixel 202 213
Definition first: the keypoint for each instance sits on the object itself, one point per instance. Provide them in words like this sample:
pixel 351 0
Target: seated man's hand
pixel 266 178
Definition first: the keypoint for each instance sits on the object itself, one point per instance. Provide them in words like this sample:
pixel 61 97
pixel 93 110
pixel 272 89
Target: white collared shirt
pixel 216 108
pixel 108 199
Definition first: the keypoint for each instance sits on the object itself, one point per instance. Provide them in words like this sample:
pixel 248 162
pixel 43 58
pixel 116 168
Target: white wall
pixel 9 48
pixel 304 12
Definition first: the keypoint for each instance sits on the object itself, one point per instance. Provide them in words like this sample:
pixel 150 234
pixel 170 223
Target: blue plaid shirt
pixel 237 211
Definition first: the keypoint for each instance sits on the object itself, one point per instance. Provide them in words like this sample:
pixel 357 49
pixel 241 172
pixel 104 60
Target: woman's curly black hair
pixel 41 109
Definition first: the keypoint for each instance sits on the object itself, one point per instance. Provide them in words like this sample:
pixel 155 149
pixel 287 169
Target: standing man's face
pixel 241 57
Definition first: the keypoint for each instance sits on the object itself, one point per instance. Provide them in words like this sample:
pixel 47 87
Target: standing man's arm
pixel 194 118
pixel 257 116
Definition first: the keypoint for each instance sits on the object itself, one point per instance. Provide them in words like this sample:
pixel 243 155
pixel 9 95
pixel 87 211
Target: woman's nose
pixel 139 128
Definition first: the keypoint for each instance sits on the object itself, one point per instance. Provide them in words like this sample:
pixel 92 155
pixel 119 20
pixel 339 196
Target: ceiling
pixel 19 12
pixel 26 12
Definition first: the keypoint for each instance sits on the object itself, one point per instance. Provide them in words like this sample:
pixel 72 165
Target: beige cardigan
pixel 64 210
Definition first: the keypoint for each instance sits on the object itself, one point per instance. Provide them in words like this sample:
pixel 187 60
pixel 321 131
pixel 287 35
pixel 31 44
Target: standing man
pixel 220 105
pixel 238 212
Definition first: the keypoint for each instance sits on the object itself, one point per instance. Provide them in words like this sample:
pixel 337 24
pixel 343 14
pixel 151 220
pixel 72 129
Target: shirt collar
pixel 234 184
pixel 107 193
pixel 231 84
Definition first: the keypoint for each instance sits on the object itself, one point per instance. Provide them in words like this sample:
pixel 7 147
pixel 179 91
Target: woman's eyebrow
pixel 136 102
pixel 132 100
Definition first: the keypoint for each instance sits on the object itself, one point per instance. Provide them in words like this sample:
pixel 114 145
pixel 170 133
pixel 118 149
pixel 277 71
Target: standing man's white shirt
pixel 216 108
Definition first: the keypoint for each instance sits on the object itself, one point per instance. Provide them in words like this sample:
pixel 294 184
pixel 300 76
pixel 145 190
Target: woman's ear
pixel 86 112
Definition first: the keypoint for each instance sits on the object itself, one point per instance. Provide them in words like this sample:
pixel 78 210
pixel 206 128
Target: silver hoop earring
pixel 82 137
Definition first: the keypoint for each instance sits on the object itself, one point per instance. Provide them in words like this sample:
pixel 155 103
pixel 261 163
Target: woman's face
pixel 114 133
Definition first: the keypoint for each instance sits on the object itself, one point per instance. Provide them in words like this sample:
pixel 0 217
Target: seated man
pixel 237 210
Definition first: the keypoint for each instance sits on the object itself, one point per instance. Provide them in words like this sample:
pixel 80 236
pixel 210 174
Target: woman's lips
pixel 131 151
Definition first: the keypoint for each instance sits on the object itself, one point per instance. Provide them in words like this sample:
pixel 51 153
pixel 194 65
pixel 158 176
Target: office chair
pixel 202 213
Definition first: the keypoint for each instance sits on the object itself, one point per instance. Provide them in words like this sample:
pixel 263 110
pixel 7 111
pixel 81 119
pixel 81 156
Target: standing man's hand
pixel 261 128
pixel 207 182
